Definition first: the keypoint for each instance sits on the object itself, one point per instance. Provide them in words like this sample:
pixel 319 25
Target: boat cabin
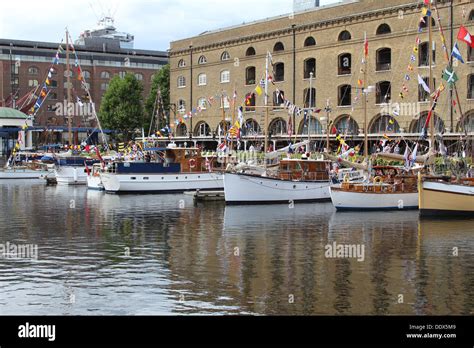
pixel 167 160
pixel 304 170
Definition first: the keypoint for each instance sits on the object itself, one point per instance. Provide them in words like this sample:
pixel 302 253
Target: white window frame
pixel 223 74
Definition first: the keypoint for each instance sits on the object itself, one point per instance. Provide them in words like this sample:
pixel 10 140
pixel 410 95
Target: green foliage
pixel 122 106
pixel 161 81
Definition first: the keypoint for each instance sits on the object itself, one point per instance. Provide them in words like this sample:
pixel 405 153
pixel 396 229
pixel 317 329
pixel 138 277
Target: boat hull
pixel 94 182
pixel 161 183
pixel 71 175
pixel 22 174
pixel 241 189
pixel 369 201
pixel 439 198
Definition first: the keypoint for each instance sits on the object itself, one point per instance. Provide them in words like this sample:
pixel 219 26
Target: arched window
pixel 252 128
pixel 345 64
pixel 423 54
pixel 279 72
pixel 278 98
pixel 202 60
pixel 470 54
pixel 86 74
pixel 202 103
pixel 202 79
pixel 470 86
pixel 309 98
pixel 105 75
pixel 250 52
pixel 384 29
pixel 181 130
pixel 250 101
pixel 313 124
pixel 122 74
pixel 383 124
pixel 423 95
pixel 277 127
pixel 225 76
pixel 310 41
pixel 278 47
pixel 104 86
pixel 424 22
pixel 181 106
pixel 383 92
pixel 250 75
pixel 344 95
pixel 418 125
pixel 309 67
pixel 225 56
pixel 202 130
pixel 344 36
pixel 181 82
pixel 346 125
pixel 32 70
pixel 223 128
pixel 181 63
pixel 139 76
pixel 384 59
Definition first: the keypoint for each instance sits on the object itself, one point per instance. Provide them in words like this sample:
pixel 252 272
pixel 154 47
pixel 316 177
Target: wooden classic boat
pixel 443 196
pixel 165 170
pixel 294 180
pixel 390 189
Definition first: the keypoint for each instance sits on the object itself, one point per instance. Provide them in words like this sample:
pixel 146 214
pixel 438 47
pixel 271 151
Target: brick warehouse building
pixel 25 64
pixel 328 41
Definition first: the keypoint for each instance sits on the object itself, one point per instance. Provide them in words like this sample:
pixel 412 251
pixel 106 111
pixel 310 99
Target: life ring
pixel 192 163
pixel 378 180
pixel 346 179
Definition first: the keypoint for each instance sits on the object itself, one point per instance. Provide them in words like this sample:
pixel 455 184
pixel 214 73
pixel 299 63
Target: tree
pixel 160 82
pixel 122 106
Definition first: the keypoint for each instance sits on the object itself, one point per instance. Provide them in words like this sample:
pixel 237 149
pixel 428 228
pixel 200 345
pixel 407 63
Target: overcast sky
pixel 155 23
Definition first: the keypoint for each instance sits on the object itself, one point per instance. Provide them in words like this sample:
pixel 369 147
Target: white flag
pixel 423 84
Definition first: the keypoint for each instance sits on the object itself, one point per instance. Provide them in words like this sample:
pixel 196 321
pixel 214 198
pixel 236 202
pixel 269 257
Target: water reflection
pixel 212 259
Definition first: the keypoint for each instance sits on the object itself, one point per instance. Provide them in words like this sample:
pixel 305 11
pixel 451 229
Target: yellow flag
pixel 259 90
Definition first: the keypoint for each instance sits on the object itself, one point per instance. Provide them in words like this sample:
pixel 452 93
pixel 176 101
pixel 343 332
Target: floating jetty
pixel 208 196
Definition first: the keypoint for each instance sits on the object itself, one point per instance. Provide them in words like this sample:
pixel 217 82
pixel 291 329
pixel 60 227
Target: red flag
pixel 464 35
pixel 366 46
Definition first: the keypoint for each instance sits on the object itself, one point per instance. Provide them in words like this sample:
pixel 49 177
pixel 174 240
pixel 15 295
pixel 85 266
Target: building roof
pixel 95 45
pixel 12 114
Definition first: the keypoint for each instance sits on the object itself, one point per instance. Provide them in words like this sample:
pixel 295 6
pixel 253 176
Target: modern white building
pixel 303 5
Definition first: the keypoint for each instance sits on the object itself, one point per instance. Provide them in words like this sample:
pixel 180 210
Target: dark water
pixel 212 259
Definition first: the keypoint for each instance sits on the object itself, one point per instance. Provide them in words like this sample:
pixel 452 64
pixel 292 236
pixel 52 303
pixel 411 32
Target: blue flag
pixel 457 54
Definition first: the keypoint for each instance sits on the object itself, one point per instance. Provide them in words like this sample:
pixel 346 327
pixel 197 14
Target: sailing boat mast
pixel 431 84
pixel 69 96
pixel 267 63
pixel 365 92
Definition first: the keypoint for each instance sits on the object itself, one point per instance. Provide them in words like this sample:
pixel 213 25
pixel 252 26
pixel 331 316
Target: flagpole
pixel 234 98
pixel 328 115
pixel 69 98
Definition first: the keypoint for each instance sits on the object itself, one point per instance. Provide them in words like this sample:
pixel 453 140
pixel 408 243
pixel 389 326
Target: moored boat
pixel 390 190
pixel 170 170
pixel 71 170
pixel 94 182
pixel 444 197
pixel 294 181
